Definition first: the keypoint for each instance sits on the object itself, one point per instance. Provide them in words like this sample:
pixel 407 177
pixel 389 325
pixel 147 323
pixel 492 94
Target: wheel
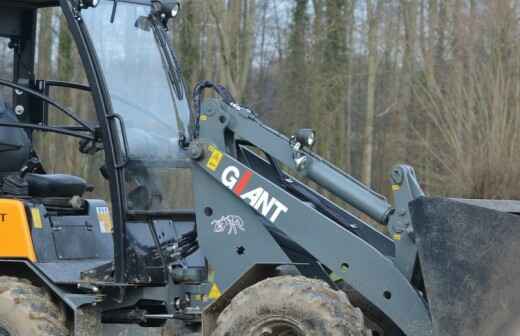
pixel 291 306
pixel 29 310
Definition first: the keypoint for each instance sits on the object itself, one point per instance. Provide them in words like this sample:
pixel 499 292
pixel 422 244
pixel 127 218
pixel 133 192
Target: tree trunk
pixel 373 15
pixel 235 28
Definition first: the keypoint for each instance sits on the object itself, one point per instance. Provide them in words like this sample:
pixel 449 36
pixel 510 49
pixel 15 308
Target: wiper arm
pixel 114 9
pixel 172 66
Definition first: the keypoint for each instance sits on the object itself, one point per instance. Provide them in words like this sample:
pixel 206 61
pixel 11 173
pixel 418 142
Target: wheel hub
pixel 277 326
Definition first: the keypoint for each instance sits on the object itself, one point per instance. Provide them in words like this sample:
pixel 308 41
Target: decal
pixel 243 182
pixel 215 292
pixel 230 176
pixel 231 224
pixel 214 159
pixel 3 217
pixel 104 219
pixel 258 198
pixel 36 218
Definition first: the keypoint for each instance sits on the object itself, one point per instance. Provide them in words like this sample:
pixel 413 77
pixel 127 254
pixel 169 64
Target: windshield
pixel 149 96
pixel 154 110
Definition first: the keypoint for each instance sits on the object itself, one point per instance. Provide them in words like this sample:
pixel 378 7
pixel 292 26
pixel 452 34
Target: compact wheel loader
pixel 259 253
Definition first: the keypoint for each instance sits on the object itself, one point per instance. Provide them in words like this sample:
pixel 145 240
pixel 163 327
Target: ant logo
pixel 231 223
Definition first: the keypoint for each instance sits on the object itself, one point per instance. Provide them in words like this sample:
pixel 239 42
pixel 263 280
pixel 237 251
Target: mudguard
pixel 470 257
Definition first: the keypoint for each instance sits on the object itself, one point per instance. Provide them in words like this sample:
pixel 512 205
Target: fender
pixel 27 270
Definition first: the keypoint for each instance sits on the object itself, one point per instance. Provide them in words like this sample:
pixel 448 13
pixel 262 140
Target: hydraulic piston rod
pixel 349 189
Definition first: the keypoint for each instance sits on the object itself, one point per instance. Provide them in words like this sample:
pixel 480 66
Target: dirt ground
pixel 121 330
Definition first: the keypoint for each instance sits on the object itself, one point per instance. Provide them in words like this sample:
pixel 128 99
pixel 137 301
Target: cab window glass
pixel 58 60
pixel 6 69
pixel 153 110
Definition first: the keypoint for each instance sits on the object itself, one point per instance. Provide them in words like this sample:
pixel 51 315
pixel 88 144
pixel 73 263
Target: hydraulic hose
pixel 221 90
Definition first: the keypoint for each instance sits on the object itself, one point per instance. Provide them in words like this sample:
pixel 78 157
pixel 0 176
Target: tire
pixel 29 310
pixel 291 306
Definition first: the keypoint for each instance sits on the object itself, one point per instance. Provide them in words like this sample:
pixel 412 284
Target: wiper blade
pixel 114 9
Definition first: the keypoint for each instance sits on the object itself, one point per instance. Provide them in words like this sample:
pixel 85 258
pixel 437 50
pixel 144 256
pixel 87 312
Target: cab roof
pixel 51 3
pixel 29 3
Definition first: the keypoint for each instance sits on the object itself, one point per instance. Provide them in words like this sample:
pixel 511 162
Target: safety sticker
pixel 232 224
pixel 104 219
pixel 215 292
pixel 36 218
pixel 215 158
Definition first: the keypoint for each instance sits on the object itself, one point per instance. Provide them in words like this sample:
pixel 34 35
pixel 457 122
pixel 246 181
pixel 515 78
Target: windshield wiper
pixel 114 9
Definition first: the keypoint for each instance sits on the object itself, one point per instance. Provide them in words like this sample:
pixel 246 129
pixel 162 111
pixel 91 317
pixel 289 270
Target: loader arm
pixel 223 183
pixel 245 126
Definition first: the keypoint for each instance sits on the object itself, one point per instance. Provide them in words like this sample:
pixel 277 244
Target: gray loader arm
pixel 246 126
pixel 227 189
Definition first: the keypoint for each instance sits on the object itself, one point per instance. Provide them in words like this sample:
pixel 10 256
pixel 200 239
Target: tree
pixel 234 20
pixel 295 80
pixel 189 42
pixel 373 13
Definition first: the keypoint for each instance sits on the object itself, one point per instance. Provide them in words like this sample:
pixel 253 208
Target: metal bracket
pixel 406 189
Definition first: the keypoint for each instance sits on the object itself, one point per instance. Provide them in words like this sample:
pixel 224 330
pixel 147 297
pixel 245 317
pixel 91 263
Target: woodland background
pixel 431 83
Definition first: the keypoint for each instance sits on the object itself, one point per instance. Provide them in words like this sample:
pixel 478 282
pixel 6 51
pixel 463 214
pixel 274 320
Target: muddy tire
pixel 29 310
pixel 291 306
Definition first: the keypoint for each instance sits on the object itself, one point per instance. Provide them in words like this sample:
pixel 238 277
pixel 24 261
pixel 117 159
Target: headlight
pixel 176 9
pixel 306 136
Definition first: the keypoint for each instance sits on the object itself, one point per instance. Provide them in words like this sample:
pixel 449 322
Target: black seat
pixel 15 156
pixel 55 185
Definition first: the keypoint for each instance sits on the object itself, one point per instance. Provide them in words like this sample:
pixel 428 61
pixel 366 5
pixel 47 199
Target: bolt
pixel 300 162
pixel 19 110
pixel 397 176
pixel 196 151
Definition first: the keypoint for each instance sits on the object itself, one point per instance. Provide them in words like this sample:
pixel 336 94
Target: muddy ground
pixel 121 330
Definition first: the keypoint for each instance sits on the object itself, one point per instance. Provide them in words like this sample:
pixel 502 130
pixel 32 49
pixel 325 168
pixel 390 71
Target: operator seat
pixel 15 153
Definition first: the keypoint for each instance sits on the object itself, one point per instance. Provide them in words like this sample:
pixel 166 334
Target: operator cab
pixel 93 119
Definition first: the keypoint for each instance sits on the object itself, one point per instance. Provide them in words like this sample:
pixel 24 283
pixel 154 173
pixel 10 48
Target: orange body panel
pixel 15 234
